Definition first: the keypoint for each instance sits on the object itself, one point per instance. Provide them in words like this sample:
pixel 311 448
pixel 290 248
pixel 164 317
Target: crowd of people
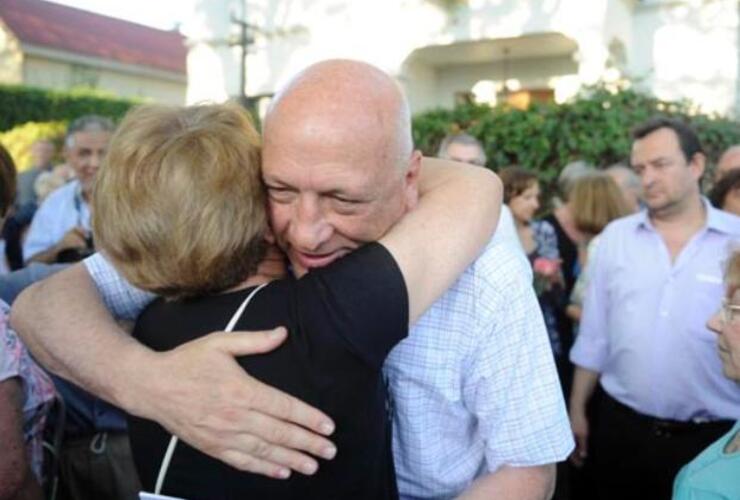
pixel 397 326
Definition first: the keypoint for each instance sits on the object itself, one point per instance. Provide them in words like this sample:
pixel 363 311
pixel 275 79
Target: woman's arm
pixel 456 216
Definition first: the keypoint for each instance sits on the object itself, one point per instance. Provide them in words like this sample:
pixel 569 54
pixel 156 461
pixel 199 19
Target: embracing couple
pixel 381 244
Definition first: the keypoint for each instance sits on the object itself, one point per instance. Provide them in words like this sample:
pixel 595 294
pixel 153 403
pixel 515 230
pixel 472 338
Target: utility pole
pixel 243 40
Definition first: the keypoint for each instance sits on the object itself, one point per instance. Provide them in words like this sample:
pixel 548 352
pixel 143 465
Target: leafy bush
pixel 26 104
pixel 594 127
pixel 19 139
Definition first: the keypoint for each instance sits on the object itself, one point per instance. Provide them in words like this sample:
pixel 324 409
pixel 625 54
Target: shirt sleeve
pixel 123 300
pixel 362 298
pixel 41 234
pixel 591 347
pixel 512 386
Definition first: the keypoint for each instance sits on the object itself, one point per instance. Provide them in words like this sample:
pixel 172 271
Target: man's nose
pixel 309 227
pixel 95 160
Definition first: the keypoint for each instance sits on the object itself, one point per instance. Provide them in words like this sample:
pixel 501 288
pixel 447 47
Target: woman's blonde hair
pixel 178 205
pixel 596 200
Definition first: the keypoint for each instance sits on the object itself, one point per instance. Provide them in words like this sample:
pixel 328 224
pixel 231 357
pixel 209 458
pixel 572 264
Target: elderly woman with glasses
pixel 714 473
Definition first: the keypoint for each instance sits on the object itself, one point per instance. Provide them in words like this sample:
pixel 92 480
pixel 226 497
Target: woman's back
pixel 342 322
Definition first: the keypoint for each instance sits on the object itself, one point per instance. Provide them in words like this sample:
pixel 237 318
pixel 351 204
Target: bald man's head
pixel 338 161
pixel 363 98
pixel 730 160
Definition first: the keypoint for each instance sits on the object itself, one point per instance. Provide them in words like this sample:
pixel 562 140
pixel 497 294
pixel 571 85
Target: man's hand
pixel 205 398
pixel 74 238
pixel 579 425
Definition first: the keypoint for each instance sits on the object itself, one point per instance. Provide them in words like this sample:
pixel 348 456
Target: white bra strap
pixel 173 440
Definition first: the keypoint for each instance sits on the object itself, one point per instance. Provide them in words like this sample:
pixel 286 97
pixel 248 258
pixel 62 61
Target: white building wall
pixel 641 39
pixel 688 50
pixel 11 58
pixel 50 74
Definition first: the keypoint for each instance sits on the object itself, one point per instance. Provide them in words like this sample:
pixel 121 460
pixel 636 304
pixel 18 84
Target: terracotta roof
pixel 81 32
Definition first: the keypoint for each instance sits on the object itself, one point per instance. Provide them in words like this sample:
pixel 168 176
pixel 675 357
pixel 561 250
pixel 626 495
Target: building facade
pixel 52 46
pixel 443 51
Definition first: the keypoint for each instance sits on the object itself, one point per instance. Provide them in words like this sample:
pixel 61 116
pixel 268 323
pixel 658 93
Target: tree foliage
pixel 594 127
pixel 18 140
pixel 21 104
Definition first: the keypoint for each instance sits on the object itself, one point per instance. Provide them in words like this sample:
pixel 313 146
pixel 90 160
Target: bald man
pixel 730 160
pixel 476 404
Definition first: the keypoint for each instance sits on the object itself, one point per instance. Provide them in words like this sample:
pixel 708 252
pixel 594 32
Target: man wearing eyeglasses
pixel 657 278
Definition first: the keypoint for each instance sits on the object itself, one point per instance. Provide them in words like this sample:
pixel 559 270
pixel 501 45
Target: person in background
pixel 725 194
pixel 713 474
pixel 26 202
pixel 60 230
pixel 464 148
pixel 629 184
pixel 569 241
pixel 467 149
pixel 42 154
pixel 26 392
pixel 596 201
pixel 655 279
pixel 728 161
pixel 539 241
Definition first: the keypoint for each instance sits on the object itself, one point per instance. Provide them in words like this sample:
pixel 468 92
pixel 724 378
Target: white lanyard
pixel 173 440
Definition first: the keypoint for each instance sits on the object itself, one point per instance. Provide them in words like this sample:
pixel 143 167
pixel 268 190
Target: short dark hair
pixel 728 182
pixel 7 181
pixel 516 180
pixel 687 138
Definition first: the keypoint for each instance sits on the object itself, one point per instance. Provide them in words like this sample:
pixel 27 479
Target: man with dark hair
pixel 656 278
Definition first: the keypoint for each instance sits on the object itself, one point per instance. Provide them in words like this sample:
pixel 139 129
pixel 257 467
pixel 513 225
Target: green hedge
pixel 20 105
pixel 594 127
pixel 19 139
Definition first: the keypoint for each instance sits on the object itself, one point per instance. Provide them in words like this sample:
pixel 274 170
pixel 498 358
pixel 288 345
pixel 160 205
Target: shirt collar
pixel 717 220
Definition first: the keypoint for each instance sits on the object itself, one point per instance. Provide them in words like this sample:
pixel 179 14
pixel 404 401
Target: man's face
pixel 41 154
pixel 85 155
pixel 325 200
pixel 465 153
pixel 668 179
pixel 728 161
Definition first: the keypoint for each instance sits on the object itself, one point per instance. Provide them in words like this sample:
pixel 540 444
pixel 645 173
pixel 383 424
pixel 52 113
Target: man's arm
pixel 197 391
pixel 514 483
pixel 590 349
pixel 584 383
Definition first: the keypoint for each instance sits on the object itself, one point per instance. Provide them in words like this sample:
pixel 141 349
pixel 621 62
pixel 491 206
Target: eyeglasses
pixel 730 312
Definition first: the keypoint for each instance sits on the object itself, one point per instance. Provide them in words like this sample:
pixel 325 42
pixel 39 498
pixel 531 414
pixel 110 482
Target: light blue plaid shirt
pixel 473 387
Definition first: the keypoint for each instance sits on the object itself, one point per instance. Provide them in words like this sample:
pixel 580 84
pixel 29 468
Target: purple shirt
pixel 644 319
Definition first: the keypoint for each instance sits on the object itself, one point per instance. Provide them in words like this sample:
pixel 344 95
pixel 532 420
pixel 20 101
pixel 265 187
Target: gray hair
pixel 631 179
pixel 87 123
pixel 570 174
pixel 464 139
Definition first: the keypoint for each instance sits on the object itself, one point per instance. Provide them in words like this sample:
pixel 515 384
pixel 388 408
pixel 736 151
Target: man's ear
pixel 698 164
pixel 411 180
